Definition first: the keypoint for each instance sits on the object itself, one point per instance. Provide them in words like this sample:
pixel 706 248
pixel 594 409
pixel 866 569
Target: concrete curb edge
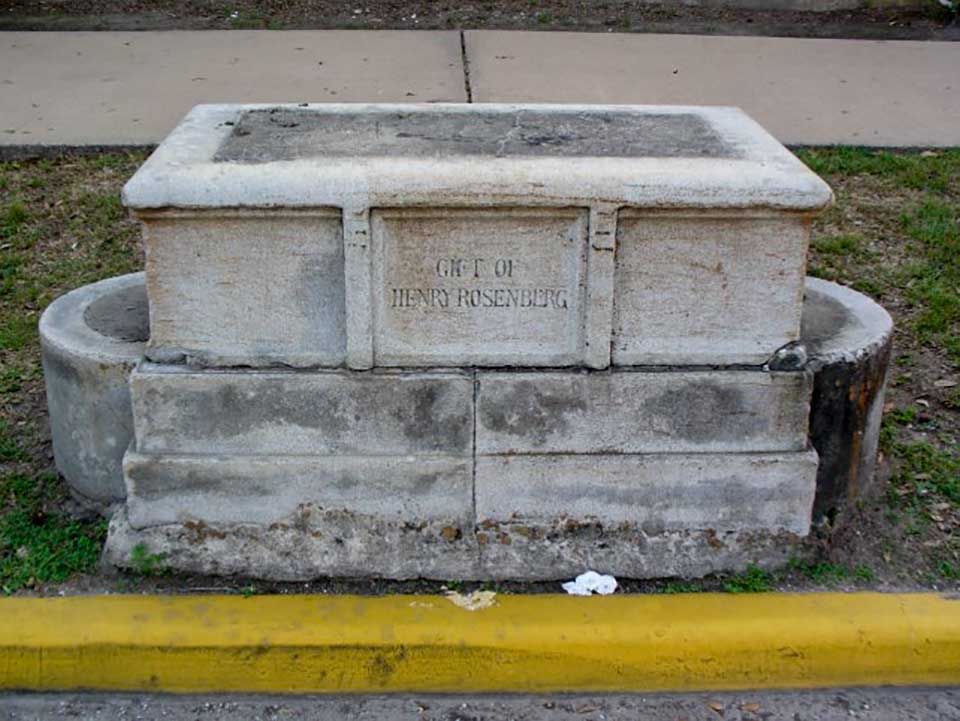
pixel 354 644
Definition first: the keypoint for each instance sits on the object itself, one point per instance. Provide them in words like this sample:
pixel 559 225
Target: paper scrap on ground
pixel 589 583
pixel 473 601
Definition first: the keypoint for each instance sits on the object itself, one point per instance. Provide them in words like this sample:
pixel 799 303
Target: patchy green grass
pixel 895 234
pixel 825 573
pixel 38 543
pixel 61 225
pixel 929 274
pixel 147 563
pixel 753 580
pixel 934 172
pixel 10 448
pixel 674 587
pixel 932 279
pixel 925 475
pixel 801 572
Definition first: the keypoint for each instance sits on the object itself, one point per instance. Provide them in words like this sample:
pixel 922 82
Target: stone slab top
pixel 265 136
pixel 359 156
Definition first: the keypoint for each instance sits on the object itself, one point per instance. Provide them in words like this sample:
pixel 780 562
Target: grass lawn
pixel 894 234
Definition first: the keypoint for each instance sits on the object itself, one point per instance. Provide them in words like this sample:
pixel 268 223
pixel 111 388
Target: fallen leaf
pixel 473 601
pixel 944 383
pixel 751 707
pixel 716 706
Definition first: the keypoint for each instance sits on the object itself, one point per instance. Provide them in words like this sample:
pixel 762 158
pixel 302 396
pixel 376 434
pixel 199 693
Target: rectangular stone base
pixel 466 474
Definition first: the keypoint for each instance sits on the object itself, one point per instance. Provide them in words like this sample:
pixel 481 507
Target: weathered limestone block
pixel 536 517
pixel 242 287
pixel 273 449
pixel 364 548
pixel 288 475
pixel 848 338
pixel 767 492
pixel 267 490
pixel 493 235
pixel 641 412
pixel 564 548
pixel 319 413
pixel 91 339
pixel 302 547
pixel 725 285
pixel 640 516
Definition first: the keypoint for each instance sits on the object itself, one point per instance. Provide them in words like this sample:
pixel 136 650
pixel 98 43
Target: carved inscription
pixel 450 272
pixel 478 286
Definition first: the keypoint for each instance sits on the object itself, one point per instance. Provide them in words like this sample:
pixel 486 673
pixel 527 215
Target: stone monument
pixel 471 342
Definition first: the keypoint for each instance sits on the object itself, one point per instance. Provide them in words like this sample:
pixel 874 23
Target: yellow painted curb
pixel 299 644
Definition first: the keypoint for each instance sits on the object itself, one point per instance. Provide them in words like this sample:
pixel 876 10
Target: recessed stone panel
pixel 246 287
pixel 706 289
pixel 498 286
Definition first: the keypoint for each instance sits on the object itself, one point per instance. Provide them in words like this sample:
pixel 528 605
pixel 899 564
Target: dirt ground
pixel 924 21
pixel 894 233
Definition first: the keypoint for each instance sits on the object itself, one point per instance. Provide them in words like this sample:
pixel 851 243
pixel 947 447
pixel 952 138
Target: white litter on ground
pixel 586 584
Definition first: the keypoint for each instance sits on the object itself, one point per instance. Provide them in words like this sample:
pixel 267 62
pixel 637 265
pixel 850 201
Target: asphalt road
pixel 827 705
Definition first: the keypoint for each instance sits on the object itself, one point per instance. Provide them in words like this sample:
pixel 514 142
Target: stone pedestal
pixel 471 342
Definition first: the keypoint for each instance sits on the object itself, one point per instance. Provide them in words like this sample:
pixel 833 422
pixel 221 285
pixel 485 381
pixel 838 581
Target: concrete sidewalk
pixel 804 91
pixel 131 88
pixel 117 88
